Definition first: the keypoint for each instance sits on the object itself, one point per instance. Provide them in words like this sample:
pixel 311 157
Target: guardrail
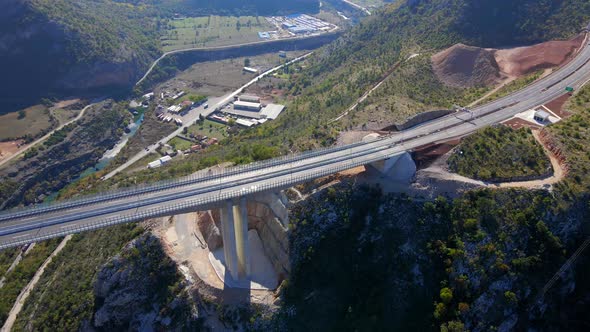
pixel 188 205
pixel 44 208
pixel 124 206
pixel 168 184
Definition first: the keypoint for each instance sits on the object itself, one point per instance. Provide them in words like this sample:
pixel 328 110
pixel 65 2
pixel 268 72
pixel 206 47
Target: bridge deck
pixel 34 224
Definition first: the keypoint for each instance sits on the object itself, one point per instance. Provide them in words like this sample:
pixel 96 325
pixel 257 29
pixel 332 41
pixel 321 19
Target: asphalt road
pixel 35 224
pixel 189 119
pixel 214 48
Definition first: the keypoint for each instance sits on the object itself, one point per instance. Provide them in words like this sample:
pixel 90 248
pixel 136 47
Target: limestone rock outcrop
pixel 210 230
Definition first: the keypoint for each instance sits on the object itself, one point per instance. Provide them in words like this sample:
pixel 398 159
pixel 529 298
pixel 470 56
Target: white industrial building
pixel 247 106
pixel 249 98
pixel 541 116
pixel 268 112
pixel 272 111
pixel 245 123
pixel 159 162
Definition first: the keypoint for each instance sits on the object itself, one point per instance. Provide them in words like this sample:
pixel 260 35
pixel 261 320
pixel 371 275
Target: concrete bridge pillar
pixel 242 244
pixel 234 230
pixel 400 167
pixel 228 234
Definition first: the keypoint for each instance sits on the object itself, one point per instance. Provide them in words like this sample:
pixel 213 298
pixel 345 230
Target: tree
pixel 452 326
pixel 46 102
pixel 511 297
pixel 247 62
pixel 22 114
pixel 440 310
pixel 446 295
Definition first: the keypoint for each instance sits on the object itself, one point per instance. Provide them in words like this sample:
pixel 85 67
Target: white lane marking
pixel 72 225
pixel 16 237
pixel 29 218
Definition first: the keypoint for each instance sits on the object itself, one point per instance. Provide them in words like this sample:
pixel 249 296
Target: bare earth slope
pixel 466 66
pixel 524 60
pixel 469 66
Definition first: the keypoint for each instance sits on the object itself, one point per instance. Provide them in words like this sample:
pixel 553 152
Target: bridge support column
pixel 234 230
pixel 400 168
pixel 228 234
pixel 243 247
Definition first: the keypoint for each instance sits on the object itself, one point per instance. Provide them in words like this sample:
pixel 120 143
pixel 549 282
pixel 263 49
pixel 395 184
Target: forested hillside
pixel 56 47
pixel 59 47
pixel 365 54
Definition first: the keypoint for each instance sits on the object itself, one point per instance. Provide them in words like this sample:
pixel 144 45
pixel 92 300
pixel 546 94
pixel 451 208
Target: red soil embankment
pixel 467 66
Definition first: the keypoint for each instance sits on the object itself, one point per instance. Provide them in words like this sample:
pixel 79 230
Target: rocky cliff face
pixel 275 238
pixel 140 289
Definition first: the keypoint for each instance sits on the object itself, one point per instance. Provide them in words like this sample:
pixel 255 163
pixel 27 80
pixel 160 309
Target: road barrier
pixel 189 204
pixel 168 184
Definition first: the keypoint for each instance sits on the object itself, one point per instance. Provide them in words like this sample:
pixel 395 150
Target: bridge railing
pixel 200 176
pixel 189 204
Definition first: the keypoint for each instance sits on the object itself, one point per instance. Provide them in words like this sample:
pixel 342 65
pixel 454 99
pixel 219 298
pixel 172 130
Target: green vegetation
pixel 572 137
pixel 59 136
pixel 18 278
pixel 509 227
pixel 412 88
pixel 208 128
pixel 64 297
pixel 36 123
pixel 196 98
pixel 178 143
pixel 362 260
pixel 7 256
pixel 212 31
pixel 64 155
pixel 103 28
pixel 498 154
pixel 228 7
pixel 64 115
pixel 191 96
pixel 348 273
pixel 32 152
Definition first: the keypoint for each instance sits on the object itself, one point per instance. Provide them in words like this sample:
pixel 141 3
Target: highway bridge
pixel 226 188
